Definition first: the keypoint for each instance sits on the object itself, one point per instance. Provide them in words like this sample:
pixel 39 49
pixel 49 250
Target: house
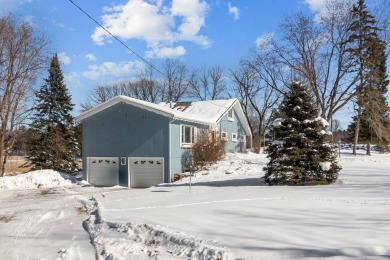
pixel 135 143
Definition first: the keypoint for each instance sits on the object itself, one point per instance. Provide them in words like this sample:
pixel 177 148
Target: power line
pixel 116 38
pixel 127 47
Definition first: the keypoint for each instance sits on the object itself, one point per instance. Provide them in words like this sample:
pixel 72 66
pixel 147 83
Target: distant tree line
pixel 173 82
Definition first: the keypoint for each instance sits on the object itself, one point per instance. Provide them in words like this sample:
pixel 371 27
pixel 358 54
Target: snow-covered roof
pixel 203 112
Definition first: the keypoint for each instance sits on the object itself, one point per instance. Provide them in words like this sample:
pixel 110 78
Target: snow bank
pixel 36 179
pixel 143 241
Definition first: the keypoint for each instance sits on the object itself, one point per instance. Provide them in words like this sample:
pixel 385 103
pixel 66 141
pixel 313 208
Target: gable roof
pixel 202 112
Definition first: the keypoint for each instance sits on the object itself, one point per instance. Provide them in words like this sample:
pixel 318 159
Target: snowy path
pixel 44 224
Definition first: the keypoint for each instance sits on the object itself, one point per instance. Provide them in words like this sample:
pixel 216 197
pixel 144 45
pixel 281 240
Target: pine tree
pixel 53 144
pixel 368 51
pixel 376 109
pixel 299 154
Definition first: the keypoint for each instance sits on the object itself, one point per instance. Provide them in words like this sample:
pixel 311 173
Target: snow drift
pixel 36 179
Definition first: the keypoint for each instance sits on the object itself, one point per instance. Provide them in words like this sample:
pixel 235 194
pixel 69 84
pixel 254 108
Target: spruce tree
pixel 368 51
pixel 53 144
pixel 300 154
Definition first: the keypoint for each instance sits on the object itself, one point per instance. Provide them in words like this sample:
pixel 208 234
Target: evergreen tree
pixel 365 134
pixel 53 144
pixel 368 51
pixel 299 154
pixel 376 109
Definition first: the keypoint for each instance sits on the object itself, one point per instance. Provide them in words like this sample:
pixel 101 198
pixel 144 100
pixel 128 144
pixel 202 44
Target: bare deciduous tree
pixel 22 58
pixel 145 87
pixel 148 87
pixel 256 85
pixel 177 79
pixel 208 84
pixel 317 50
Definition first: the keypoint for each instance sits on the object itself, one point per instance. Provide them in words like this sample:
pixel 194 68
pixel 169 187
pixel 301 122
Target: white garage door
pixel 146 172
pixel 103 171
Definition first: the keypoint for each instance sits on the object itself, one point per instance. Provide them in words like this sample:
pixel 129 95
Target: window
pixel 224 136
pixel 230 115
pixel 234 137
pixel 243 138
pixel 187 138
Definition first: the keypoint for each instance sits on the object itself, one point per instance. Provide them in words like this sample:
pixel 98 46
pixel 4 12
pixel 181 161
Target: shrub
pixel 207 149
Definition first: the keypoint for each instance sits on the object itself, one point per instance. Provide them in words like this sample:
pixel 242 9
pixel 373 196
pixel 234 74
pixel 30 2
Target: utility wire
pixel 116 38
pixel 127 47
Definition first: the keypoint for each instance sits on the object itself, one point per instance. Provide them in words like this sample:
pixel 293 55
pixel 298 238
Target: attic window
pixel 187 135
pixel 230 115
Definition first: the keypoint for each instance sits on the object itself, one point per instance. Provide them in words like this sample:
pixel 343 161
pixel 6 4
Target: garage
pixel 103 171
pixel 145 171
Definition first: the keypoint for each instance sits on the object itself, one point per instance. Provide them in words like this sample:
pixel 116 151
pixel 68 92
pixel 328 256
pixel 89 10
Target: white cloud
pixel 61 25
pixel 63 58
pixel 91 57
pixel 316 5
pixel 193 13
pixel 263 42
pixel 166 52
pixel 234 11
pixel 72 80
pixel 110 70
pixel 155 23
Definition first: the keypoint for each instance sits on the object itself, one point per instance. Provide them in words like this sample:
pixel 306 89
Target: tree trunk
pixel 368 152
pixel 261 143
pixel 357 129
pixel 260 136
pixel 3 159
pixel 2 156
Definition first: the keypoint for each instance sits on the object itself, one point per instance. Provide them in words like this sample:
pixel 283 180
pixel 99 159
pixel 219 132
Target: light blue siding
pixel 180 157
pixel 124 130
pixel 235 126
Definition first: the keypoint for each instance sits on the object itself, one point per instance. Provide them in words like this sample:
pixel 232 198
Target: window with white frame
pixel 234 137
pixel 224 136
pixel 243 138
pixel 231 115
pixel 187 135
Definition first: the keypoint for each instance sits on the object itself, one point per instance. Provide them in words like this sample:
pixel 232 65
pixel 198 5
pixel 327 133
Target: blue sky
pixel 198 32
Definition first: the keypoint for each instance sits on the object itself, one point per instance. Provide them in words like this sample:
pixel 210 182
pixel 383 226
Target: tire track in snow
pixel 200 203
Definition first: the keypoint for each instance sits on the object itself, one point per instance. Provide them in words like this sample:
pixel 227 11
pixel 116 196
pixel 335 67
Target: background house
pixel 134 143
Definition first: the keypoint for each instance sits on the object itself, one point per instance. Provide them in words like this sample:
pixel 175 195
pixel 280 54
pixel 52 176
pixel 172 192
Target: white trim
pixel 193 133
pixel 155 108
pixel 234 137
pixel 224 138
pixel 124 99
pixel 243 138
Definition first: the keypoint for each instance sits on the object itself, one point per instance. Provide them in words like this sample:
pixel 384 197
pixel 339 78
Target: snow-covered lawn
pixel 229 213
